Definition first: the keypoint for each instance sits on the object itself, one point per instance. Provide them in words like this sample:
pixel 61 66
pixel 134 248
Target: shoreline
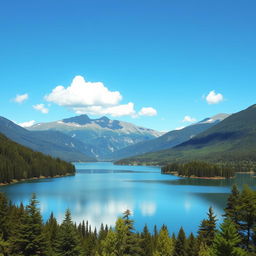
pixel 35 178
pixel 197 177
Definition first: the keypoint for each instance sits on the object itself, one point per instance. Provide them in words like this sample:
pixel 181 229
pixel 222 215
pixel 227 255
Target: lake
pixel 100 192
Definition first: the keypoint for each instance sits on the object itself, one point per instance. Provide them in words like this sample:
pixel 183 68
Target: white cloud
pixel 20 98
pixel 118 110
pixel 188 119
pixel 27 124
pixel 179 128
pixel 214 98
pixel 41 108
pixel 94 98
pixel 82 93
pixel 148 112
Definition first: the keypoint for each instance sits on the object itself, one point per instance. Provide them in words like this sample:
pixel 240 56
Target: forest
pixel 23 232
pixel 18 162
pixel 199 169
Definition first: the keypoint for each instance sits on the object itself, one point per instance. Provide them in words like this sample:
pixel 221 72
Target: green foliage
pixel 207 229
pixel 67 242
pixel 198 169
pixel 27 235
pixel 227 240
pixel 18 162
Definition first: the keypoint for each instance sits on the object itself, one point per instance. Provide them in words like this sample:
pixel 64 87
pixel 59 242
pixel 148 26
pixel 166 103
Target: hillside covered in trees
pixel 231 142
pixel 18 162
pixel 198 169
pixel 22 232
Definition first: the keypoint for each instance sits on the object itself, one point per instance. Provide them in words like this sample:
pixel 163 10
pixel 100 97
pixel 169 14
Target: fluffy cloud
pixel 41 108
pixel 27 124
pixel 94 98
pixel 214 98
pixel 147 112
pixel 82 93
pixel 118 110
pixel 20 98
pixel 188 119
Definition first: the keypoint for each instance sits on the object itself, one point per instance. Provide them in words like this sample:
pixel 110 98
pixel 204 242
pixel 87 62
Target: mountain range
pixel 101 136
pixel 168 140
pixel 232 140
pixel 52 143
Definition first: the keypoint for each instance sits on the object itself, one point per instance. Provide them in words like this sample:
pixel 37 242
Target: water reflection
pixel 100 192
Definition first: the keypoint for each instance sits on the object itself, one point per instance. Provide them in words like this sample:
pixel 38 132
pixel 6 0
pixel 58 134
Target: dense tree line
pixel 199 169
pixel 18 162
pixel 22 232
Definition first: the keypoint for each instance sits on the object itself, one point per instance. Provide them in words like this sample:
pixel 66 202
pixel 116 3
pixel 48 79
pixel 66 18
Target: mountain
pixel 53 143
pixel 103 135
pixel 18 162
pixel 232 140
pixel 169 139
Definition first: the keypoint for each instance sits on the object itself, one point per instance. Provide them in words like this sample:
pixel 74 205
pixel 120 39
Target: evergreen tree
pixel 68 242
pixel 247 215
pixel 30 239
pixel 227 240
pixel 4 217
pixel 146 242
pixel 180 244
pixel 51 231
pixel 109 244
pixel 192 246
pixel 232 209
pixel 164 245
pixel 208 229
pixel 132 241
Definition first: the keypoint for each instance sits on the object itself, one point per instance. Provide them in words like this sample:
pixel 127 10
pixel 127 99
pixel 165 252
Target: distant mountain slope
pixel 52 143
pixel 233 139
pixel 18 162
pixel 169 139
pixel 102 135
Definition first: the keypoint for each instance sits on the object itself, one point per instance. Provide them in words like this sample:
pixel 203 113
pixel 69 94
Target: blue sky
pixel 162 55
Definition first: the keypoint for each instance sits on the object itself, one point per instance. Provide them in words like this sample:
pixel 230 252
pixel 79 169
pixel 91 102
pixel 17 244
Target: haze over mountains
pixel 169 139
pixel 52 143
pixel 103 136
pixel 233 139
pixel 81 138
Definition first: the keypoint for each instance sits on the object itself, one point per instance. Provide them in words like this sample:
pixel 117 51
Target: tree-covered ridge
pixel 232 141
pixel 18 162
pixel 198 169
pixel 22 232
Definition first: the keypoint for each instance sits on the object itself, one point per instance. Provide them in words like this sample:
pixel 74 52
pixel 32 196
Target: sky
pixel 160 64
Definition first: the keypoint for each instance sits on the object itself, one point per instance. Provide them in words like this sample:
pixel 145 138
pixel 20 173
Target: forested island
pixel 21 163
pixel 22 232
pixel 198 169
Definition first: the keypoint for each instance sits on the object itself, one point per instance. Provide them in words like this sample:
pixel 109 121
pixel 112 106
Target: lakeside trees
pixel 18 162
pixel 22 232
pixel 199 169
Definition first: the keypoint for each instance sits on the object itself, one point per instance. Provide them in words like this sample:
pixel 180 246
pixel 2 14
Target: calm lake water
pixel 100 192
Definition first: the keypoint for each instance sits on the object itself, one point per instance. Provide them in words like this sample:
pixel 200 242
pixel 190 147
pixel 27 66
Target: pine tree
pixel 227 240
pixel 164 244
pixel 192 246
pixel 51 231
pixel 232 209
pixel 180 245
pixel 67 242
pixel 109 244
pixel 30 239
pixel 4 217
pixel 132 241
pixel 247 215
pixel 146 242
pixel 207 229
